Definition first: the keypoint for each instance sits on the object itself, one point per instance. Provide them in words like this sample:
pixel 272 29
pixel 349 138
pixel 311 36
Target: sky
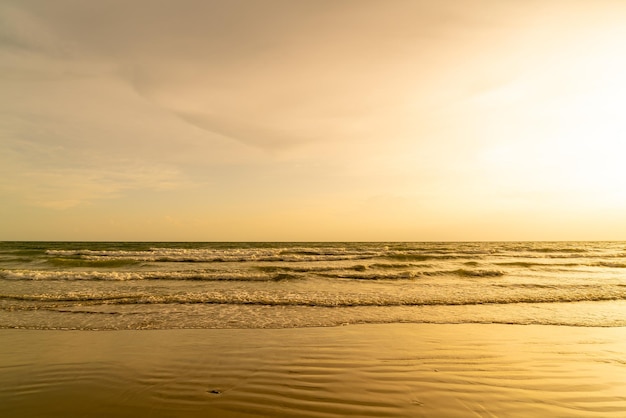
pixel 313 120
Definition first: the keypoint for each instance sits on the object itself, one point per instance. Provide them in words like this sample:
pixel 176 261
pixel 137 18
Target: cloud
pixel 67 188
pixel 274 74
pixel 187 88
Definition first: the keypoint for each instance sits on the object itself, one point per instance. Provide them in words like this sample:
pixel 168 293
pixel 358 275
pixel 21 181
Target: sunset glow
pixel 313 120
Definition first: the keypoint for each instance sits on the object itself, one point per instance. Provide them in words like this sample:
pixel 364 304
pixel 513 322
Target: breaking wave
pixel 28 275
pixel 263 298
pixel 264 273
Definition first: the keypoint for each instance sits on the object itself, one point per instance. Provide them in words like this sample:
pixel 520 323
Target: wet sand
pixel 399 370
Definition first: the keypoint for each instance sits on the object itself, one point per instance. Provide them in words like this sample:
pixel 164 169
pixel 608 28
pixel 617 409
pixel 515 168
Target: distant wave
pixel 408 256
pixel 214 255
pixel 546 265
pixel 79 262
pixel 415 274
pixel 308 269
pixel 398 254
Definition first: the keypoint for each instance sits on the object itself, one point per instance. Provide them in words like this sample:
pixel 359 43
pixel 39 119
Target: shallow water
pixel 399 370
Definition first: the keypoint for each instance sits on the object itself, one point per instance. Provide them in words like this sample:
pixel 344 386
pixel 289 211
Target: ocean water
pixel 121 285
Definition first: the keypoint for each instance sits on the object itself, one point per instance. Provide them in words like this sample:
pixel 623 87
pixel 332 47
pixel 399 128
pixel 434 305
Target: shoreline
pixel 393 370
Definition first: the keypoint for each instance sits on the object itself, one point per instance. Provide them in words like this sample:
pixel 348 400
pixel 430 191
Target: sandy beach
pixel 399 370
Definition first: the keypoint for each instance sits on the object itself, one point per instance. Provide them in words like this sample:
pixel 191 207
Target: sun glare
pixel 562 132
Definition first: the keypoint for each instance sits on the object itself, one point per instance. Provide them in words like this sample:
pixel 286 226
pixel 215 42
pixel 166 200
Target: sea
pixel 172 285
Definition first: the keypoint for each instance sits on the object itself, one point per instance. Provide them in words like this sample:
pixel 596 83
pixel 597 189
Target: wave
pixel 539 265
pixel 610 264
pixel 263 273
pixel 561 255
pixel 79 262
pixel 41 275
pixel 528 264
pixel 415 274
pixel 384 266
pixel 557 250
pixel 401 256
pixel 406 275
pixel 475 273
pixel 204 255
pixel 525 264
pixel 286 254
pixel 17 260
pixel 355 267
pixel 398 253
pixel 309 269
pixel 308 300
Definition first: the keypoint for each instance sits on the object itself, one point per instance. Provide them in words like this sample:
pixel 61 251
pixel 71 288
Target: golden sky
pixel 313 120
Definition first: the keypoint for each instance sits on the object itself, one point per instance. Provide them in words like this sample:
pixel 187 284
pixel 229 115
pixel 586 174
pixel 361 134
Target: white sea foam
pixel 136 275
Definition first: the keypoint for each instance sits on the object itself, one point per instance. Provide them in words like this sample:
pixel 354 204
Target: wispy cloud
pixel 59 187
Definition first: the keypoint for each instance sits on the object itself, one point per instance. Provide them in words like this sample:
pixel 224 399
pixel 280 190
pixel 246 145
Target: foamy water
pixel 280 285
